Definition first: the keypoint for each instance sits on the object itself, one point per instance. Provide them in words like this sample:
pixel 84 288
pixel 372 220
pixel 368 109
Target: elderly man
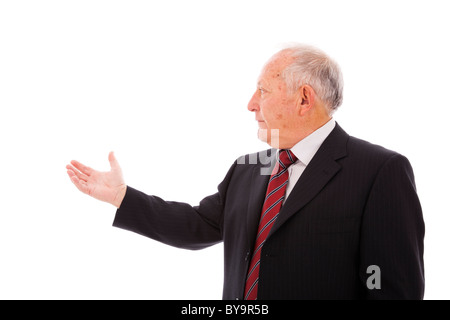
pixel 322 215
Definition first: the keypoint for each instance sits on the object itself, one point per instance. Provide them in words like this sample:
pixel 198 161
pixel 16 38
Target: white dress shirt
pixel 305 150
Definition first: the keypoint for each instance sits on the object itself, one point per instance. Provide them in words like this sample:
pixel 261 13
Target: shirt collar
pixel 305 149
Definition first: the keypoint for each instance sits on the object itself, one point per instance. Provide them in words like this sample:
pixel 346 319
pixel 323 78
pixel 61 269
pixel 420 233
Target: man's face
pixel 274 107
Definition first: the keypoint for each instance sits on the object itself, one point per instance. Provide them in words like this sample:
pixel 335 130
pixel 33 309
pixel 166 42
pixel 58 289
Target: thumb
pixel 113 161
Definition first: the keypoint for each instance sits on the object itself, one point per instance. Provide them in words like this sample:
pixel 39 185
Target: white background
pixel 165 84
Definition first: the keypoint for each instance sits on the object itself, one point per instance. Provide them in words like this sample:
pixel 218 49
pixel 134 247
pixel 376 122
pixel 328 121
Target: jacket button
pixel 247 255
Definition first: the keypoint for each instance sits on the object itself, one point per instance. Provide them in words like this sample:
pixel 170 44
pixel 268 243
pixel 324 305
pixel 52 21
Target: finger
pixel 79 174
pixel 73 169
pixel 80 184
pixel 72 175
pixel 113 161
pixel 86 170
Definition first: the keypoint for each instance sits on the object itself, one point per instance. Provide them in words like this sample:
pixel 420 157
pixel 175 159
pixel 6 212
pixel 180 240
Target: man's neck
pixel 305 130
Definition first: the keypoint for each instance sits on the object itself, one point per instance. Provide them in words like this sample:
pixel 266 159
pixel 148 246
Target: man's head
pixel 298 90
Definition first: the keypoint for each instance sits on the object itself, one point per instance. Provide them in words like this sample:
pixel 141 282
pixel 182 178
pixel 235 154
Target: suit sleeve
pixel 392 234
pixel 174 223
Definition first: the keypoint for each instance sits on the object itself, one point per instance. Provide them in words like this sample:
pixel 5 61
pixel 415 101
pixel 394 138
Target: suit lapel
pixel 317 174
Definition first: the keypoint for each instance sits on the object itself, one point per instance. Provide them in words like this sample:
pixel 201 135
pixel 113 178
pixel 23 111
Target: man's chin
pixel 262 135
pixel 271 137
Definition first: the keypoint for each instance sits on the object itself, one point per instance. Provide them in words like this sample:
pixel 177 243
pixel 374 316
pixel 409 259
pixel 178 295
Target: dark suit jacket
pixel 354 206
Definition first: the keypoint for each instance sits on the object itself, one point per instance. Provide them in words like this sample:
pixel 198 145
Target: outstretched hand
pixel 105 186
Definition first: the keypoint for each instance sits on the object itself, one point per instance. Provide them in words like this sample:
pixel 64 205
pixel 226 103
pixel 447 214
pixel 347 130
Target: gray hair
pixel 313 67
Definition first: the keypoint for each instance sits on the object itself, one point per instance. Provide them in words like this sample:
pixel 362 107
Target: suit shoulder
pixel 372 159
pixel 372 154
pixel 357 146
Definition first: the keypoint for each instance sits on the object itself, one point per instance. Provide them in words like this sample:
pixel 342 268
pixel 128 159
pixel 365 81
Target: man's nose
pixel 253 104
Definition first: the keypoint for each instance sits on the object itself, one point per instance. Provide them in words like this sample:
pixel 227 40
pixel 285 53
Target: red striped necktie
pixel 275 195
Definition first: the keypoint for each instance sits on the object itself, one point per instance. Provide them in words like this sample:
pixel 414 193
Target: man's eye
pixel 261 90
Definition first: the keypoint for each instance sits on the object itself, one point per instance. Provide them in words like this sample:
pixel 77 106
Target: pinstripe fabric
pixel 272 204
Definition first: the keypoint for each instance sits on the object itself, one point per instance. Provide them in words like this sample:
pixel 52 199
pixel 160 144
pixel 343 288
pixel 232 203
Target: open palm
pixel 105 186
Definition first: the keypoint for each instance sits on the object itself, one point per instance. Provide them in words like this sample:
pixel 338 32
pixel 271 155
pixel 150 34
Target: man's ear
pixel 306 99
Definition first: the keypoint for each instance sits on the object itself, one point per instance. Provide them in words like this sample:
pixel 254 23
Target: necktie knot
pixel 286 158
